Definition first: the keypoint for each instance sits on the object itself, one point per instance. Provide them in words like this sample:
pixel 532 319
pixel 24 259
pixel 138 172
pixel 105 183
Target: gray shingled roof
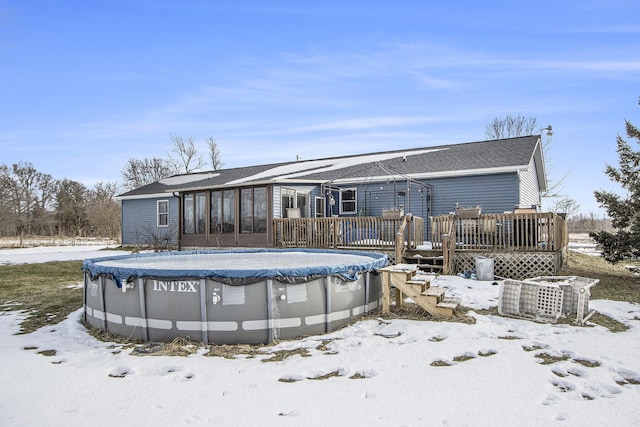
pixel 472 157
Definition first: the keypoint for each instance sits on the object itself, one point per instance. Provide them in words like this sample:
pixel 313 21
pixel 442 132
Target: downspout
pixel 179 224
pixel 519 173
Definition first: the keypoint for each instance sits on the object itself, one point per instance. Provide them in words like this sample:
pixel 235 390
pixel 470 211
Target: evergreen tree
pixel 624 211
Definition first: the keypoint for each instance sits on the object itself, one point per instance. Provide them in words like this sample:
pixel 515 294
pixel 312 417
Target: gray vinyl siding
pixel 140 217
pixel 495 193
pixel 277 202
pixel 373 198
pixel 529 188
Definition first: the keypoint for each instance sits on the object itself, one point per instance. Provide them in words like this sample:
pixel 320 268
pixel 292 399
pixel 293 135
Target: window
pixel 301 203
pixel 348 203
pixel 163 213
pixel 246 210
pixel 201 212
pixel 319 201
pixel 288 197
pixel 223 212
pixel 194 211
pixel 260 210
pixel 292 199
pixel 216 212
pixel 253 210
pixel 188 224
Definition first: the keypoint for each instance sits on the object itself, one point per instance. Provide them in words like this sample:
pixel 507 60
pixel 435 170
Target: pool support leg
pixel 271 301
pixel 327 287
pixel 143 308
pixel 203 311
pixel 103 304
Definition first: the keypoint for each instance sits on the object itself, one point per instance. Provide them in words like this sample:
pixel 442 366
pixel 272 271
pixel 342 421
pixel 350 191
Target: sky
pixel 375 372
pixel 85 86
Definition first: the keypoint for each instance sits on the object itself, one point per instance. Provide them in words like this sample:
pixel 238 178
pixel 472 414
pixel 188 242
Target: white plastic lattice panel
pixel 530 300
pixel 549 304
pixel 509 298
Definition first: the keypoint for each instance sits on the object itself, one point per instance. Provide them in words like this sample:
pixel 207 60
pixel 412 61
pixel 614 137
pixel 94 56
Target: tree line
pixel 33 203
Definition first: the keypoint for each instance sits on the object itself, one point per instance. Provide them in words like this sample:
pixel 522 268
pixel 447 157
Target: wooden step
pixel 426 262
pixel 447 306
pixel 419 285
pixel 435 292
pixel 430 267
pixel 449 302
pixel 430 258
pixel 407 281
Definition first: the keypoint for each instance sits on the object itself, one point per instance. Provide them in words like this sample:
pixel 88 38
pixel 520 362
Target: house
pixel 236 207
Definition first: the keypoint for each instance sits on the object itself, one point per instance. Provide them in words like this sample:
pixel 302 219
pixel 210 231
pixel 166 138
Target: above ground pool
pixel 230 297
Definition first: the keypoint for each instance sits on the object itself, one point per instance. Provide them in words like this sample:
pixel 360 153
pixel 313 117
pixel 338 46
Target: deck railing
pixel 530 232
pixel 349 232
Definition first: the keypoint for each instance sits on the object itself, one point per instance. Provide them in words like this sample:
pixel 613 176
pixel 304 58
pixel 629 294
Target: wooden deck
pixel 364 233
pixel 532 237
pixel 530 232
pixel 538 235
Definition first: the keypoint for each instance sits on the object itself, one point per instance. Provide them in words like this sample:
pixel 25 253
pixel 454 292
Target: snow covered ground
pixel 581 242
pixel 54 253
pixel 376 372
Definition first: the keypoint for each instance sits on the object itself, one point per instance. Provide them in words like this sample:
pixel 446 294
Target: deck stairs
pixel 431 261
pixel 411 282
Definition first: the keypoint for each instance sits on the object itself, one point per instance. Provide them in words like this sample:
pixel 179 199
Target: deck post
pixel 386 289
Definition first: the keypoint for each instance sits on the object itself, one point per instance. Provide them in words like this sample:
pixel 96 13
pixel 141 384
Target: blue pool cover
pixel 238 266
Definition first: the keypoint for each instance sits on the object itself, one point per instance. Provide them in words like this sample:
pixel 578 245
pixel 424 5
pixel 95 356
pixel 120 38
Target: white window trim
pixel 158 213
pixel 355 200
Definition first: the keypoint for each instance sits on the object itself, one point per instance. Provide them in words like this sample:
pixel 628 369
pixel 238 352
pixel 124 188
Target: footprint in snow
pixel 589 363
pixel 563 373
pixel 119 372
pixel 550 400
pixel 627 377
pixel 563 386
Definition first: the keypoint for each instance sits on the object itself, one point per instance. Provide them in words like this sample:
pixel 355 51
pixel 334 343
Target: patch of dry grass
pixel 548 359
pixel 615 281
pixel 46 292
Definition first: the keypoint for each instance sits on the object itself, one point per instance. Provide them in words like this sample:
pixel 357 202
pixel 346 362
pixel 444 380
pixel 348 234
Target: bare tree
pixel 515 126
pixel 511 127
pixel 20 186
pixel 186 158
pixel 566 205
pixel 71 207
pixel 104 216
pixel 138 173
pixel 214 154
pixel 43 218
